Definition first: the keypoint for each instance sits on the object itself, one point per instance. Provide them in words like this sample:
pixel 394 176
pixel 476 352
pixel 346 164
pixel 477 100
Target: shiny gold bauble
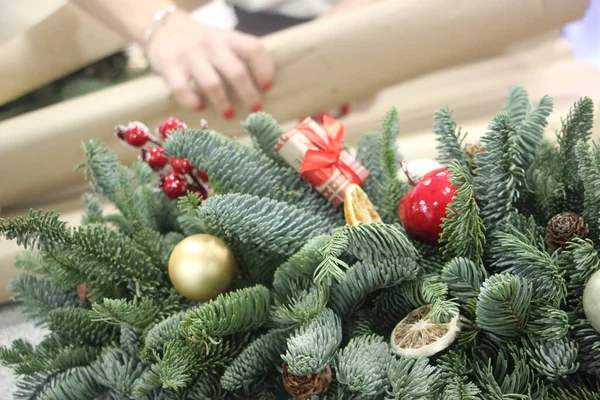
pixel 201 267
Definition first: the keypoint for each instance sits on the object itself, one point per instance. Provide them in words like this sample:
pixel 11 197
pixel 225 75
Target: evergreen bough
pixel 312 293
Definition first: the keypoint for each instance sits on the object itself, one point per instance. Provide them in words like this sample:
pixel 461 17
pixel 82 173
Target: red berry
pixel 200 191
pixel 155 157
pixel 168 125
pixel 203 176
pixel 423 207
pixel 135 134
pixel 181 165
pixel 174 186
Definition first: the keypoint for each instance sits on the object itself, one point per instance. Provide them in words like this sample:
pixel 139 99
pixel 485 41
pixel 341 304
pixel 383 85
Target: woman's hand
pixel 186 52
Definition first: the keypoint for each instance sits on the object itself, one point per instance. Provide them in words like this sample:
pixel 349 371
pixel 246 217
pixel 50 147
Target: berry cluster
pixel 178 176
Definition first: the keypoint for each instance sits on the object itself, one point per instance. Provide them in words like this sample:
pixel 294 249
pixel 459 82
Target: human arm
pixel 183 50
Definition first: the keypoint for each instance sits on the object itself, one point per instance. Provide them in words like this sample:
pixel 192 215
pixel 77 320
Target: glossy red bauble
pixel 156 158
pixel 135 134
pixel 181 165
pixel 174 186
pixel 421 210
pixel 170 124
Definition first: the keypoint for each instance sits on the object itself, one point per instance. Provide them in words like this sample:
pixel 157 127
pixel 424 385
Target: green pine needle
pixel 312 346
pixel 463 230
pixel 504 305
pixel 238 311
pixel 450 139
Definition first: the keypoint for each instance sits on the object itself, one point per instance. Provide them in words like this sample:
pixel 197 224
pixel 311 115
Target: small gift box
pixel 317 152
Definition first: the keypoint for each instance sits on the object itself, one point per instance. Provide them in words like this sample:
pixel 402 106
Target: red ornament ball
pixel 135 134
pixel 421 210
pixel 156 157
pixel 181 165
pixel 170 124
pixel 174 186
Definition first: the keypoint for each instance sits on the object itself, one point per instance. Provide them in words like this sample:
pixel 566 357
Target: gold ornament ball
pixel 591 300
pixel 201 267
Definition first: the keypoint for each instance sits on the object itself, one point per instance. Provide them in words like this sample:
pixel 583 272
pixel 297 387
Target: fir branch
pixel 518 105
pixel 543 194
pixel 160 333
pixel 443 310
pixel 207 387
pixel 360 324
pixel 80 384
pixel 555 359
pixel 303 306
pixel 39 296
pixel 430 257
pixel 504 305
pixel 31 261
pixel 264 132
pixel 531 132
pixel 527 226
pixel 312 346
pixel 257 359
pixel 361 365
pixel 412 378
pixel 390 128
pixel 144 174
pixel 378 242
pixel 366 277
pixel 174 366
pixel 497 379
pixel 588 341
pixel 589 173
pixel 548 323
pixel 263 233
pixel 496 185
pixel 76 326
pixel 234 168
pixel 18 352
pixel 331 268
pixel 512 253
pixel 130 339
pixel 118 370
pixel 100 168
pixel 238 311
pixel 93 210
pixel 299 268
pixel 41 229
pixel 464 278
pixel 453 378
pixel 139 313
pixel 576 127
pixel 155 245
pixel 378 153
pixel 463 230
pixel 449 138
pixel 118 257
pixel 580 261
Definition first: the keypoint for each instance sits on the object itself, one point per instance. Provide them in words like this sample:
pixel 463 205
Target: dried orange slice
pixel 418 336
pixel 357 206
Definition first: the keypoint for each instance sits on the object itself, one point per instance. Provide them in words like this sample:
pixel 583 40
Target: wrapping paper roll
pixel 318 68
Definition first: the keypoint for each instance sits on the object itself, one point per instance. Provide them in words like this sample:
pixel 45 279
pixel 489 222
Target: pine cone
pixel 564 227
pixel 82 291
pixel 307 386
pixel 470 151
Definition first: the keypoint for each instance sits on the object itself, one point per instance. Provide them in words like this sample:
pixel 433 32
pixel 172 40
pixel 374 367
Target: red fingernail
pixel 201 107
pixel 228 114
pixel 267 86
pixel 345 109
pixel 256 108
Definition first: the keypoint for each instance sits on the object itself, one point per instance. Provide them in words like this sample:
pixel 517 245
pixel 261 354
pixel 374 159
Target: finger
pixel 239 77
pixel 259 60
pixel 210 83
pixel 178 82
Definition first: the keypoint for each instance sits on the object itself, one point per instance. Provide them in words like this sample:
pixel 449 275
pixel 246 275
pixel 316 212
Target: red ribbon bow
pixel 327 157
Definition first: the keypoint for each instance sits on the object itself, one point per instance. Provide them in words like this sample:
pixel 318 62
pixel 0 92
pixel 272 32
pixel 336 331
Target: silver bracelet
pixel 159 17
